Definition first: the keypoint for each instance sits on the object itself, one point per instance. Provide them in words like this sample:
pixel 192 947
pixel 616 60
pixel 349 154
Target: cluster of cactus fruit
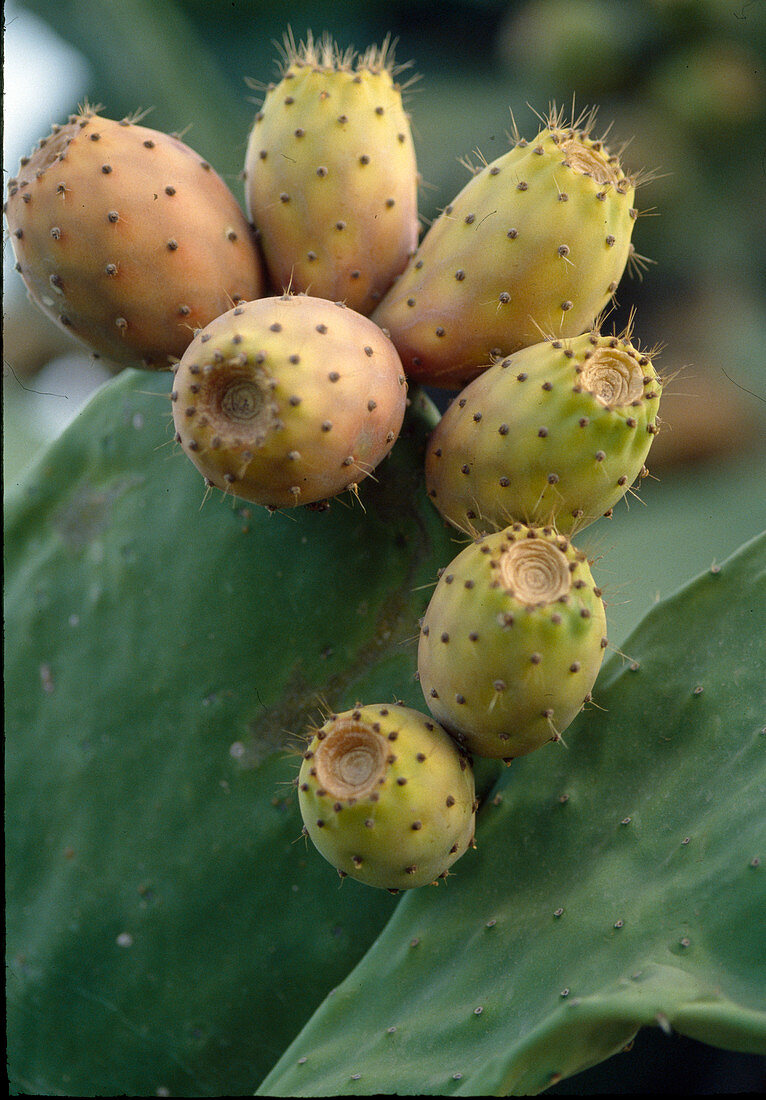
pixel 293 332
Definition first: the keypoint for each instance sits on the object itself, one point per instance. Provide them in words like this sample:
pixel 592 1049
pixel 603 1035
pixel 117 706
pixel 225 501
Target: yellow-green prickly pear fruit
pixel 512 641
pixel 330 174
pixel 556 433
pixel 288 400
pixel 387 796
pixel 535 244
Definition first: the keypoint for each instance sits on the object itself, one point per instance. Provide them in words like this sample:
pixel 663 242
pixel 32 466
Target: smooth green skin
pixel 162 651
pixel 617 883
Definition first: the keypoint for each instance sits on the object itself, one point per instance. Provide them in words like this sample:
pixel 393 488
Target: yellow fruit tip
pixel 325 53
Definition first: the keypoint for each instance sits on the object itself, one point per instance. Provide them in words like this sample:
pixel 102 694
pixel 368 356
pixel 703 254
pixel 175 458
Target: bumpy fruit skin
pixel 512 641
pixel 387 796
pixel 556 433
pixel 288 400
pixel 331 177
pixel 534 245
pixel 127 239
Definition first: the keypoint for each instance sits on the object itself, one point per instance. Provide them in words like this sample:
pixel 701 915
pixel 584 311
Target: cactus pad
pixel 617 884
pixel 158 650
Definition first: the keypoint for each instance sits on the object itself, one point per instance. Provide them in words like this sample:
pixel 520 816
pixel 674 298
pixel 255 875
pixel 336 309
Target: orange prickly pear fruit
pixel 289 400
pixel 127 238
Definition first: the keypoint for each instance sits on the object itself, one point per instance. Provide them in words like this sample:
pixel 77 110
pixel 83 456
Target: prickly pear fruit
pixel 556 433
pixel 288 400
pixel 331 177
pixel 127 238
pixel 387 796
pixel 534 244
pixel 511 641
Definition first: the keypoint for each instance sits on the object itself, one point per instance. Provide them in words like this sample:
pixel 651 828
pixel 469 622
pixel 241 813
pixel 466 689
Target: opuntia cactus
pixel 512 641
pixel 534 245
pixel 288 400
pixel 556 433
pixel 617 883
pixel 331 177
pixel 387 797
pixel 128 239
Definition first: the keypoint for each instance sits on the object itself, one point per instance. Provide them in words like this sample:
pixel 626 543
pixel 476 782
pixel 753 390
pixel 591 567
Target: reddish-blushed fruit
pixel 533 246
pixel 288 400
pixel 127 238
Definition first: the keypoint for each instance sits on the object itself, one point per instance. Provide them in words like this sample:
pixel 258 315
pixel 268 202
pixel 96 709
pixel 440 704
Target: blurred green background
pixel 680 83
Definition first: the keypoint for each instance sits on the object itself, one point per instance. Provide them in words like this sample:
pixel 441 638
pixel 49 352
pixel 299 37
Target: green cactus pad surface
pixel 618 882
pixel 169 930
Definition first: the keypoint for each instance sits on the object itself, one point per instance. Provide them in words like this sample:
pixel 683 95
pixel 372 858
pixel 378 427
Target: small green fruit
pixel 512 641
pixel 387 796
